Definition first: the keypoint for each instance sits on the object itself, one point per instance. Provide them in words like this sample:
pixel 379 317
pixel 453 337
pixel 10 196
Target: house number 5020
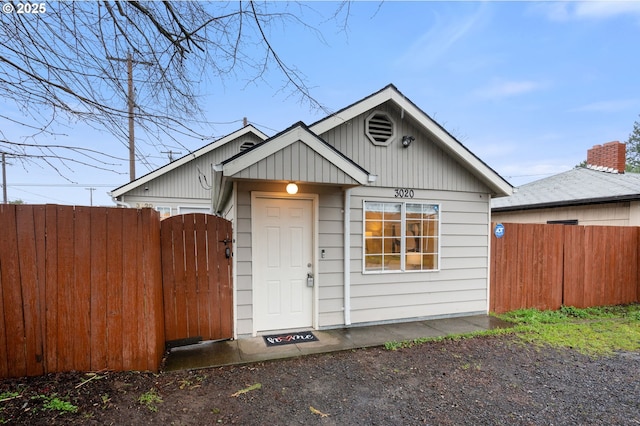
pixel 403 193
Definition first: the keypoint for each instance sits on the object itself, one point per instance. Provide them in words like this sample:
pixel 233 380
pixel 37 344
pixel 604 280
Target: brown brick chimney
pixel 611 157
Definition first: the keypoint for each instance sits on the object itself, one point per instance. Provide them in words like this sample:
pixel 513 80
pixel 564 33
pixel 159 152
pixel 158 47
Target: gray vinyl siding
pixel 329 270
pixel 192 180
pixel 422 165
pixel 296 162
pixel 459 287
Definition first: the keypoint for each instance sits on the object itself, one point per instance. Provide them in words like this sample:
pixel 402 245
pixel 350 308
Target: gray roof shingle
pixel 577 186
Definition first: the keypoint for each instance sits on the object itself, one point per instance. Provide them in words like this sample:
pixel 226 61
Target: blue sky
pixel 526 86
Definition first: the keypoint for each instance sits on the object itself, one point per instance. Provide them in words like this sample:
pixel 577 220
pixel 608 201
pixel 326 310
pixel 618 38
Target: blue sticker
pixel 499 230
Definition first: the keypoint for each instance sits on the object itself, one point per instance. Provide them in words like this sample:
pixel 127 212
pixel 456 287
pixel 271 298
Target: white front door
pixel 282 255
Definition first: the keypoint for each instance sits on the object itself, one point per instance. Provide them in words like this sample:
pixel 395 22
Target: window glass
pixel 401 236
pixel 165 212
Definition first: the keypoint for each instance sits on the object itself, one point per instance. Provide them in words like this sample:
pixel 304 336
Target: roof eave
pixel 568 203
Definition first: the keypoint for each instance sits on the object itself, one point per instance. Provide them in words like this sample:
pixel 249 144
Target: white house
pixel 388 221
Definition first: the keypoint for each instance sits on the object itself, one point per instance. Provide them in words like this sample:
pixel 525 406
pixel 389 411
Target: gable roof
pixel 575 187
pixel 299 132
pixel 187 158
pixel 442 137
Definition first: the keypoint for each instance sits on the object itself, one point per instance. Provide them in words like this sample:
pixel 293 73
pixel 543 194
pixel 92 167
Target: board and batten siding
pixel 422 165
pixel 297 162
pixel 461 284
pixel 329 271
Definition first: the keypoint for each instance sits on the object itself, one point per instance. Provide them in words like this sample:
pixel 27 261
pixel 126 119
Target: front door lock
pixel 309 280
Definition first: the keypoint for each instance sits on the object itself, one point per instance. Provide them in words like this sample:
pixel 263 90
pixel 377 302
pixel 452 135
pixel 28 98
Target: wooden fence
pixel 80 289
pixel 548 266
pixel 196 277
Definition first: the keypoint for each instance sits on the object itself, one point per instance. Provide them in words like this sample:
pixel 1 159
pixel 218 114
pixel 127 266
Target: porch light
pixel 292 188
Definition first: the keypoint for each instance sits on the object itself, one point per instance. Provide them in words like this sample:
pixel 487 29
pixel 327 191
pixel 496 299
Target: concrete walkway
pixel 254 349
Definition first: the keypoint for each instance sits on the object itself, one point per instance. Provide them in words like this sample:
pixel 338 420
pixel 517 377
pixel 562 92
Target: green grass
pixel 150 399
pixel 599 331
pixel 53 403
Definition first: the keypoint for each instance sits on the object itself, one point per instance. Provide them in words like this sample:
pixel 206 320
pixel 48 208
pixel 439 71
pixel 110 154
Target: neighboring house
pixel 388 219
pixel 600 194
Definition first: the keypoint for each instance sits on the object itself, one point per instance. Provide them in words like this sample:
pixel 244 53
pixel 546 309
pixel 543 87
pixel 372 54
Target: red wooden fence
pixel 196 275
pixel 80 289
pixel 547 266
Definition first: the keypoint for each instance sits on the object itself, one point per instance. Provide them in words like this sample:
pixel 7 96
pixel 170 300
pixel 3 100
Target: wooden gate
pixel 196 277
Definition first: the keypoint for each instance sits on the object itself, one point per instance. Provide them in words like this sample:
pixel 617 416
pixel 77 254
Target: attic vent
pixel 380 128
pixel 246 145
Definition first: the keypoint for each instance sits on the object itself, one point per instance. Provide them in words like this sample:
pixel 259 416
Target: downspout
pixel 347 256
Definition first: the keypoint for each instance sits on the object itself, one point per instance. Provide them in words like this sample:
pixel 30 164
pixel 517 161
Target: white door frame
pixel 314 250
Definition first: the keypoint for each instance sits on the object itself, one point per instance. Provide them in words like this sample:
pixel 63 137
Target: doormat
pixel 289 338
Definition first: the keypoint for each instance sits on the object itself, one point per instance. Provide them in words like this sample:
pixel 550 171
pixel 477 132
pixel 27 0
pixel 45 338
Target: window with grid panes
pixel 401 236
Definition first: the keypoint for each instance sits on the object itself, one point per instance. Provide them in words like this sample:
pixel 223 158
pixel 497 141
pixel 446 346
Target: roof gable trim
pixel 448 142
pixel 187 158
pixel 239 163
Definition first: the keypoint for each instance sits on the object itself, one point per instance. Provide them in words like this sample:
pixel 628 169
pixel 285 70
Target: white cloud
pixel 506 89
pixel 608 106
pixel 605 9
pixel 443 34
pixel 577 10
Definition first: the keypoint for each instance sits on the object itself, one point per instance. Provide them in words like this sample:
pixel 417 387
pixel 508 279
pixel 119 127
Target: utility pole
pixel 170 153
pixel 130 106
pixel 4 178
pixel 90 195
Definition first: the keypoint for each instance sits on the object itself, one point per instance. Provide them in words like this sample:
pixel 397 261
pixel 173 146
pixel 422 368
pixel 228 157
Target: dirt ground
pixel 487 380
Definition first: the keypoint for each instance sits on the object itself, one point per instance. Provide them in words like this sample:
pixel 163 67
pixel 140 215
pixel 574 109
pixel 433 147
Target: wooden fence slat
pixel 13 302
pixel 39 219
pixel 98 288
pixel 51 290
pixel 138 361
pixel 168 273
pixel 81 302
pixel 205 305
pixel 129 281
pixel 115 230
pixel 152 327
pixel 66 314
pixel 26 249
pixel 153 286
pixel 191 289
pixel 180 287
pixel 7 213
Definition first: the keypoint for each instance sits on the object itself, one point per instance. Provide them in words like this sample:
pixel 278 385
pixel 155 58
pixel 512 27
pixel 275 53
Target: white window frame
pixel 402 236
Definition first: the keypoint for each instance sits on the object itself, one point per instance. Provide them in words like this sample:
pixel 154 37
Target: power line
pixel 68 185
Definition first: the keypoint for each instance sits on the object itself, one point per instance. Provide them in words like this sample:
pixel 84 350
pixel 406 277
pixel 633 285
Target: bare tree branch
pixel 54 69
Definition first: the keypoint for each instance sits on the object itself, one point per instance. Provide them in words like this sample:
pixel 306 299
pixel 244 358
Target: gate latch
pixel 227 250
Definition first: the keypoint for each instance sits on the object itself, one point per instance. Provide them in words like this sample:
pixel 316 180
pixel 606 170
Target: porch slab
pixel 254 349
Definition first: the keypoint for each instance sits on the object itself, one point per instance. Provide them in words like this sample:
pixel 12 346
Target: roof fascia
pixel 187 158
pixel 354 110
pixel 282 141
